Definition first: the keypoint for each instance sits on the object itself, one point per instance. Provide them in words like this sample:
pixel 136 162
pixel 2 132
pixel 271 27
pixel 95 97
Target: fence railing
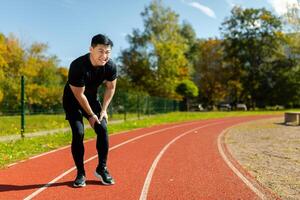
pixel 125 104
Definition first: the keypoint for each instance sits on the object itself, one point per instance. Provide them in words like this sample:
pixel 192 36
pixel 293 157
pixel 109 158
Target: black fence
pixel 125 104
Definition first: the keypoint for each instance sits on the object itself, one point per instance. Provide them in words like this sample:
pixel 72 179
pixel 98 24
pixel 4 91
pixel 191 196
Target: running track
pixel 175 161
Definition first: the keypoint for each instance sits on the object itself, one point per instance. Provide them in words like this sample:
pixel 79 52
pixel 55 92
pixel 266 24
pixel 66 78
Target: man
pixel 86 73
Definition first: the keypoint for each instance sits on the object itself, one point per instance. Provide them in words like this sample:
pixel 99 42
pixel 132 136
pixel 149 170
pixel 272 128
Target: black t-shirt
pixel 83 74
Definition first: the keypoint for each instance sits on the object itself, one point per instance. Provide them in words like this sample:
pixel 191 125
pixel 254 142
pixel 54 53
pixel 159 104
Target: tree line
pixel 255 61
pixel 43 78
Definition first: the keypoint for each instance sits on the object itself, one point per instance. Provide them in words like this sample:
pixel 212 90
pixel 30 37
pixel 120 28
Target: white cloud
pixel 230 3
pixel 280 6
pixel 204 9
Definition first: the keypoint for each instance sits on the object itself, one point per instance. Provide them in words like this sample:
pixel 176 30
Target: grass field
pixel 11 125
pixel 21 149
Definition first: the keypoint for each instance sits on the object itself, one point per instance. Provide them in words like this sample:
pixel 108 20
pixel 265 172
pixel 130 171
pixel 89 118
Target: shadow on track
pixel 6 188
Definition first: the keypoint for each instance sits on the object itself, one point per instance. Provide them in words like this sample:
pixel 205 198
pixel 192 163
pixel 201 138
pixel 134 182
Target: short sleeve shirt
pixel 83 74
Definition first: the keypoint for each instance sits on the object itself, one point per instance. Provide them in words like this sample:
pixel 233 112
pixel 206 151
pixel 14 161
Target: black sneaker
pixel 79 181
pixel 104 176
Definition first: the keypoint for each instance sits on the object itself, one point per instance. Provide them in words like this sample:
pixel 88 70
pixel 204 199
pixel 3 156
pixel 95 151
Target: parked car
pixel 196 107
pixel 224 107
pixel 241 106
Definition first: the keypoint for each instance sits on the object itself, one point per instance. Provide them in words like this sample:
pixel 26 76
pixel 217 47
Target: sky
pixel 67 26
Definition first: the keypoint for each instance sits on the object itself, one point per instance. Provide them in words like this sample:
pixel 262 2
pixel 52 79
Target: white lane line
pixel 65 147
pixel 95 156
pixel 234 169
pixel 46 153
pixel 37 156
pixel 55 150
pixel 149 176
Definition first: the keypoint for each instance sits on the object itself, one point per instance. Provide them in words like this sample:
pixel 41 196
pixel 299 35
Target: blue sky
pixel 68 25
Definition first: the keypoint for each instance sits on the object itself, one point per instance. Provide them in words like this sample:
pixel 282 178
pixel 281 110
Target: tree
pixel 291 18
pixel 187 89
pixel 11 55
pixel 63 73
pixel 155 61
pixel 210 76
pixel 188 33
pixel 253 39
pixel 136 66
pixel 43 81
pixel 2 65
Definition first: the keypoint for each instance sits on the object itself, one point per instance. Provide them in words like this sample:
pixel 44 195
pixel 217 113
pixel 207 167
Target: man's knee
pixel 100 128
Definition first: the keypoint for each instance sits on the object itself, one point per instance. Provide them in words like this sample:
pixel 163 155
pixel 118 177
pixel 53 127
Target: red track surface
pixel 175 161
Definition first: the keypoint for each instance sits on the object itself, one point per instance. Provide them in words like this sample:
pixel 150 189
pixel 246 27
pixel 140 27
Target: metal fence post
pixel 174 105
pixel 138 105
pixel 22 106
pixel 147 106
pixel 125 106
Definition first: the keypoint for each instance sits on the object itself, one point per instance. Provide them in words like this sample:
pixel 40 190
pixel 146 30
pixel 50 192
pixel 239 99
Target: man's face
pixel 100 54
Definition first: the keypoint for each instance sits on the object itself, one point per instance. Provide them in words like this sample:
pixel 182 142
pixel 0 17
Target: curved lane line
pixel 234 169
pixel 95 156
pixel 147 182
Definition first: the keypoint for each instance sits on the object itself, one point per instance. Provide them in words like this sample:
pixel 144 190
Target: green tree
pixel 187 89
pixel 189 35
pixel 136 65
pixel 253 39
pixel 155 60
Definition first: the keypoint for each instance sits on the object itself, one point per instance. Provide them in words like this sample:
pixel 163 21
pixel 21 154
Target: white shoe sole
pixel 101 179
pixel 82 185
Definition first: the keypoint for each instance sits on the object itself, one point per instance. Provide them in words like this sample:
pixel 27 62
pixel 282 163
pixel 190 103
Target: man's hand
pixel 93 119
pixel 103 114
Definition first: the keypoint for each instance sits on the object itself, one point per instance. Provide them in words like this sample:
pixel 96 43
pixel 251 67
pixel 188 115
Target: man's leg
pixel 102 144
pixel 77 148
pixel 102 148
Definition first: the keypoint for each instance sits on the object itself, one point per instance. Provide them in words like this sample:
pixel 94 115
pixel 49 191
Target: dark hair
pixel 101 39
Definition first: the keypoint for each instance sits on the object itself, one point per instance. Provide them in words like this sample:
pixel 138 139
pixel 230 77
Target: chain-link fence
pixel 138 103
pixel 126 104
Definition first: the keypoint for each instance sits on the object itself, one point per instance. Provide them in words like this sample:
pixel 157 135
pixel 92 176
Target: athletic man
pixel 80 99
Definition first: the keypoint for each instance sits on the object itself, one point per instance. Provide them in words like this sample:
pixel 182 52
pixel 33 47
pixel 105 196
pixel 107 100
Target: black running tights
pixel 77 146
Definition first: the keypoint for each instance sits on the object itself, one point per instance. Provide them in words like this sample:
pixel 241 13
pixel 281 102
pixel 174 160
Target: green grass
pixel 21 149
pixel 10 125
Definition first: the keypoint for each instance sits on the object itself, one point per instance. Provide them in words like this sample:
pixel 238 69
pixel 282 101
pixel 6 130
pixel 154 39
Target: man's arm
pixel 108 95
pixel 81 98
